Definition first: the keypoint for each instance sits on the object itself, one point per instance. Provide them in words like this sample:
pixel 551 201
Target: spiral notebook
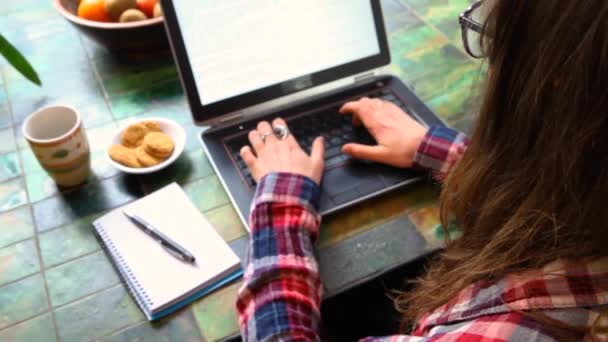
pixel 159 282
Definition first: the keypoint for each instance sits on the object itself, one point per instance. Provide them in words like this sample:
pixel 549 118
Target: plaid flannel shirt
pixel 281 295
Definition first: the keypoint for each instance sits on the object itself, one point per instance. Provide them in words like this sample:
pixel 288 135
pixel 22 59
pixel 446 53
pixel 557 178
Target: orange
pixel 147 6
pixel 93 10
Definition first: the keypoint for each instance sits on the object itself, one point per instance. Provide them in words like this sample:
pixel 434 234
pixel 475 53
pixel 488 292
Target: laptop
pixel 243 61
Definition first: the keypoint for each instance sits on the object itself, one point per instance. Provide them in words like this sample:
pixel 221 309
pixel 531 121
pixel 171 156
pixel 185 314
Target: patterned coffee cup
pixel 60 144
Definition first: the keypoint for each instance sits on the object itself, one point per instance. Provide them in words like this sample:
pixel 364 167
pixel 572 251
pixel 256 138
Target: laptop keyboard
pixel 336 130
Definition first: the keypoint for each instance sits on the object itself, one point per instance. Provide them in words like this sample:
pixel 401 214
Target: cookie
pixel 146 159
pixel 134 135
pixel 124 155
pixel 152 126
pixel 158 144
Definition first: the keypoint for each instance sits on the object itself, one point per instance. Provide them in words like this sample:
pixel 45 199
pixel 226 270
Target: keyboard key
pixel 335 141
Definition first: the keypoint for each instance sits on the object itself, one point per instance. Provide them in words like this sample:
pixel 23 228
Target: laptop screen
pixel 236 53
pixel 237 46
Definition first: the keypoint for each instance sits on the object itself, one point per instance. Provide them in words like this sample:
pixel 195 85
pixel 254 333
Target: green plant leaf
pixel 17 60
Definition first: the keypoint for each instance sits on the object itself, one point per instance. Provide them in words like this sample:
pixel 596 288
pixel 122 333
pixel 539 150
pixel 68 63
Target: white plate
pixel 170 128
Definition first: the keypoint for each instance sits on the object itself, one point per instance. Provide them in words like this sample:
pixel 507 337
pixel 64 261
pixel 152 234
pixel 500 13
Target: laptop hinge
pixel 365 77
pixel 230 118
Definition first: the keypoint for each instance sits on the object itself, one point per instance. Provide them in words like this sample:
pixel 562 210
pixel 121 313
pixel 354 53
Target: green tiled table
pixel 56 283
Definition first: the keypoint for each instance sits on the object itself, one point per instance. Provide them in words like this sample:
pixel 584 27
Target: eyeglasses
pixel 472 30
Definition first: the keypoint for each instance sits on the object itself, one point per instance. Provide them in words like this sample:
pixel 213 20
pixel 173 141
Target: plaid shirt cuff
pixel 440 149
pixel 288 188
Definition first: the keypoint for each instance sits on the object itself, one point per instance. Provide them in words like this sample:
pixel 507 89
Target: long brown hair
pixel 532 186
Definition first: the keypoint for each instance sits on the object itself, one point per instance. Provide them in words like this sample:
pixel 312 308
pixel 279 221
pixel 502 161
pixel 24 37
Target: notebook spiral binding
pixel 128 277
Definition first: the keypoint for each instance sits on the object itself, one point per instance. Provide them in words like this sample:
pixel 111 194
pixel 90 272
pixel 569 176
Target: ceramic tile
pixel 36 329
pixel 97 315
pixel 131 104
pixel 85 201
pixel 189 167
pixel 16 225
pixel 21 300
pixel 95 113
pixel 39 186
pixel 116 67
pixel 62 46
pixel 170 112
pixel 18 260
pixel 41 24
pixel 207 193
pixel 30 163
pixel 460 79
pixel 416 40
pixel 424 62
pixel 216 315
pixel 26 97
pixel 168 93
pixel 8 140
pixel 68 242
pixel 12 194
pixel 179 326
pixel 5 115
pixel 94 50
pixel 138 78
pixel 9 166
pixel 193 140
pixel 227 222
pixel 398 17
pixel 65 281
pixel 25 10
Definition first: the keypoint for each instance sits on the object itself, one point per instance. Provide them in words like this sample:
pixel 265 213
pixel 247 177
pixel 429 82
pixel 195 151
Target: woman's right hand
pixel 398 135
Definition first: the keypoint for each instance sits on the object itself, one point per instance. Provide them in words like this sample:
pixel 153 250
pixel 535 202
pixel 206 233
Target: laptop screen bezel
pixel 206 113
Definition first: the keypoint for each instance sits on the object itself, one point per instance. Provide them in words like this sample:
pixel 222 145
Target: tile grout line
pixel 31 211
pixel 29 318
pixel 119 330
pixel 434 28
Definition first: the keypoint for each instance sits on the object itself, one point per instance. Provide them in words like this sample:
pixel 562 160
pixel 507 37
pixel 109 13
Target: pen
pixel 172 246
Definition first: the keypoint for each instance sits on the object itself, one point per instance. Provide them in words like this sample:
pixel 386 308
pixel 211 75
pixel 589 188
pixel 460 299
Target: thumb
pixel 373 153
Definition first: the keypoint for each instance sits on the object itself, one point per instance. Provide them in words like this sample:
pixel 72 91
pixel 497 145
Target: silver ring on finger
pixel 280 131
pixel 264 135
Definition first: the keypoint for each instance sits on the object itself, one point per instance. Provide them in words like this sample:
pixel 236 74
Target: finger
pixel 264 128
pixel 248 156
pixel 256 141
pixel 361 110
pixel 373 153
pixel 290 140
pixel 317 155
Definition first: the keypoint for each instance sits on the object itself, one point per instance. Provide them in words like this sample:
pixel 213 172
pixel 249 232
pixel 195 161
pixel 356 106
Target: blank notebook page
pixel 162 277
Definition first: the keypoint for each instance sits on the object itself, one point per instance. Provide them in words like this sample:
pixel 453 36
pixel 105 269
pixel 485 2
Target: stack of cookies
pixel 142 145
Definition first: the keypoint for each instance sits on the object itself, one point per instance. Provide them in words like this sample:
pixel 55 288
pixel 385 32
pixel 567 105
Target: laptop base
pixel 345 183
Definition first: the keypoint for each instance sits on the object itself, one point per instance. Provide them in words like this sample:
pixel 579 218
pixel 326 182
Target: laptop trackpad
pixel 348 183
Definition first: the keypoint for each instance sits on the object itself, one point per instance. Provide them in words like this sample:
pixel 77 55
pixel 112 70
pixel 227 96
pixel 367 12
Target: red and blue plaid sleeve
pixel 281 295
pixel 440 149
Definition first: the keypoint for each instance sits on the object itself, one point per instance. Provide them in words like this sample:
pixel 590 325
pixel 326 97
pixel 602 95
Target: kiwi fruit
pixel 158 11
pixel 132 15
pixel 115 8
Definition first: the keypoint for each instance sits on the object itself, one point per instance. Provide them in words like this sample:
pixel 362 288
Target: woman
pixel 529 193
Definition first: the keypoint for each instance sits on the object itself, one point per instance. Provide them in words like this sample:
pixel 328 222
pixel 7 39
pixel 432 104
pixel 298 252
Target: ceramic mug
pixel 60 144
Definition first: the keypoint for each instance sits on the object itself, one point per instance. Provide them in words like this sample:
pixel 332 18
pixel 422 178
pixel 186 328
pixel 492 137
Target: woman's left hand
pixel 270 154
